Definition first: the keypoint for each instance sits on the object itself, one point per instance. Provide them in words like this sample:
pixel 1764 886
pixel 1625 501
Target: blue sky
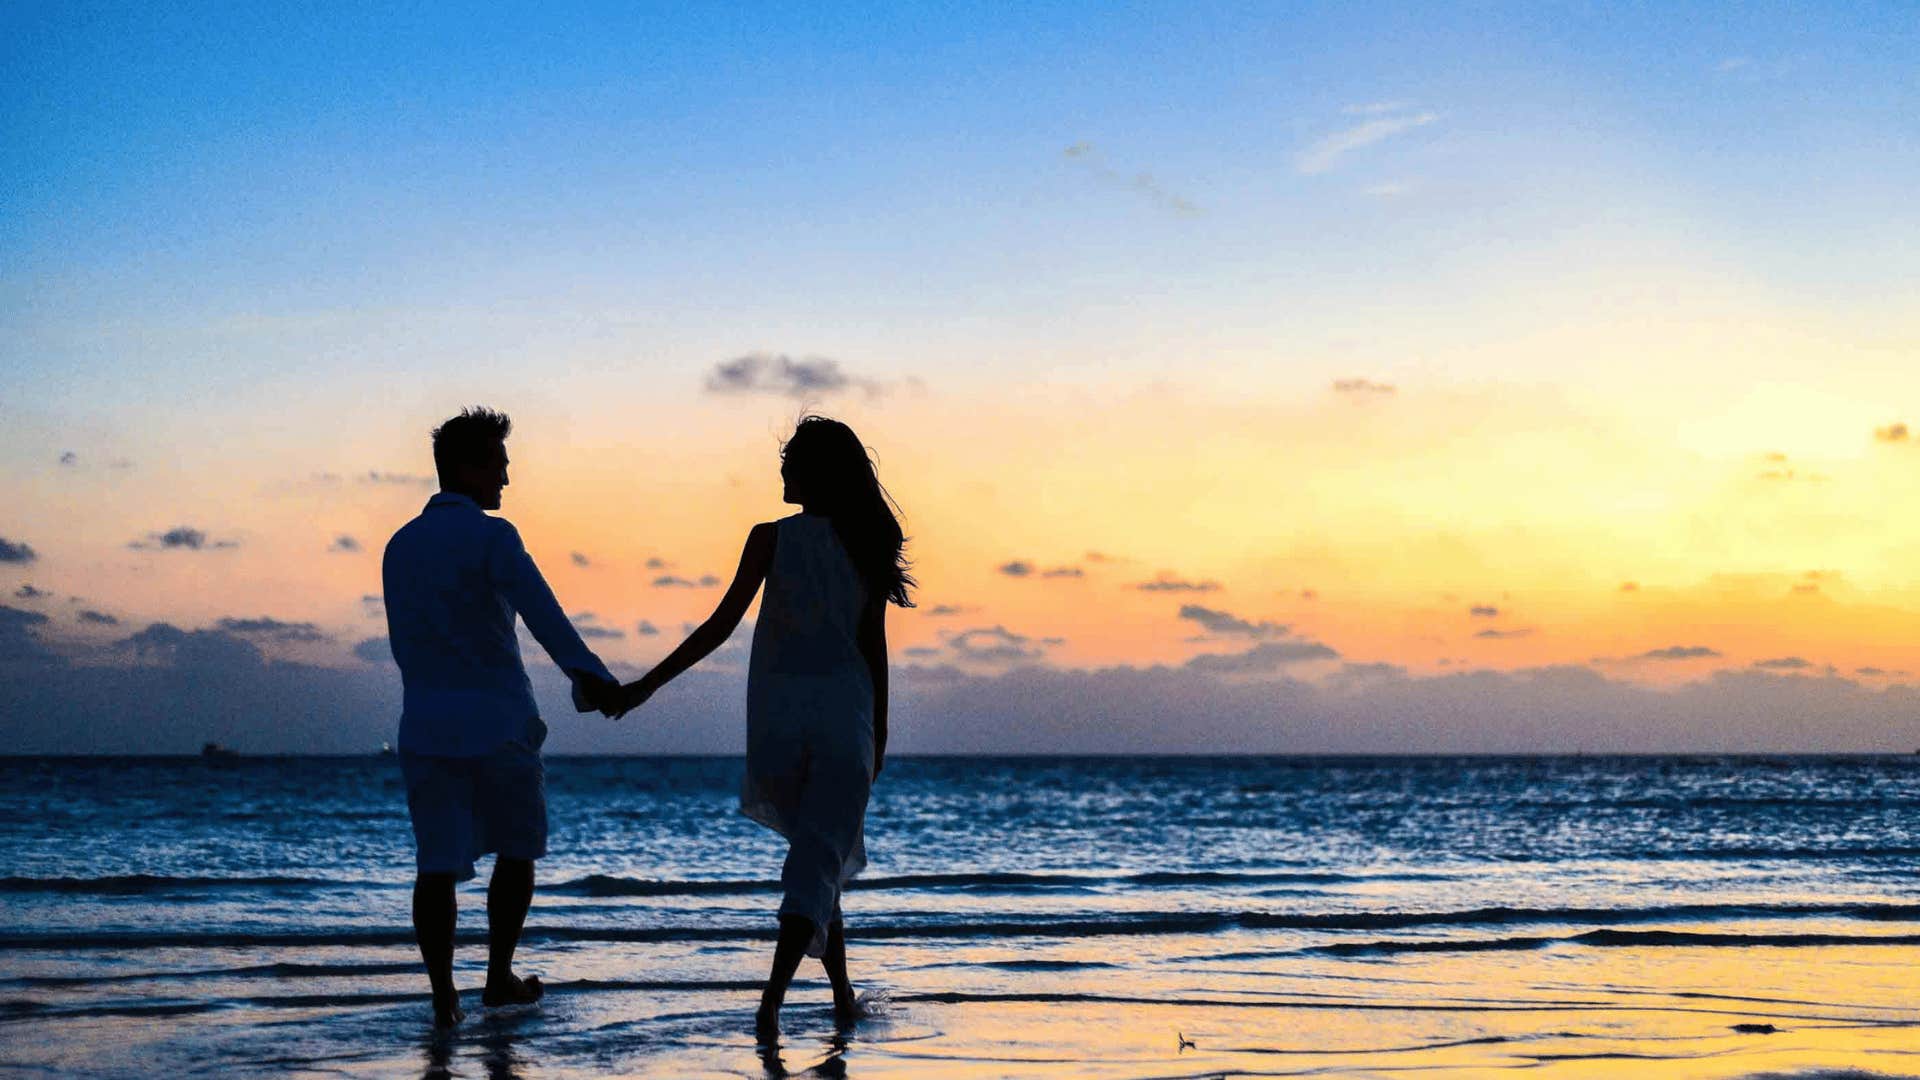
pixel 1097 275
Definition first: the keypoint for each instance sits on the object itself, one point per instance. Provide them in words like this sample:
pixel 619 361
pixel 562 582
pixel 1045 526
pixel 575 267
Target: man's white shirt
pixel 455 578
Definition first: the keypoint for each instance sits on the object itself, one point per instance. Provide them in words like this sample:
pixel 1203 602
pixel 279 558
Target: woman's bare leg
pixel 835 961
pixel 796 932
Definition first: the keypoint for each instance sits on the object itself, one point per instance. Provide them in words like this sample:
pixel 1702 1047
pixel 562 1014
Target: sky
pixel 1252 378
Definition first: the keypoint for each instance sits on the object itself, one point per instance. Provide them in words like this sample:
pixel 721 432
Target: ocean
pixel 1048 917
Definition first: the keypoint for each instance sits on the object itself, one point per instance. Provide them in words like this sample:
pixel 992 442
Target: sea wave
pixel 1131 924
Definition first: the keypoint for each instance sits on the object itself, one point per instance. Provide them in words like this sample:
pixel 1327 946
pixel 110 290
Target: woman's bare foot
pixel 512 991
pixel 766 1023
pixel 447 1013
pixel 846 1007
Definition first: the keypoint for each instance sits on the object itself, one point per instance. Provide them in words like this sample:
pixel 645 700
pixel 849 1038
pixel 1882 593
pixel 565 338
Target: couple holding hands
pixel 456 578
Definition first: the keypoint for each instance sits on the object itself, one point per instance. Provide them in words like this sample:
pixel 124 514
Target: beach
pixel 1096 917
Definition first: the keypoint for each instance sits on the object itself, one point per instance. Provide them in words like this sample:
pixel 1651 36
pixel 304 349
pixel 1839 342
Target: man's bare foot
pixel 766 1024
pixel 447 1014
pixel 512 991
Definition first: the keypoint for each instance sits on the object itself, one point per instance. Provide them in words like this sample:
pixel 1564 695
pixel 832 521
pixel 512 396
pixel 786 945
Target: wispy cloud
pixel 16 553
pixel 1266 657
pixel 273 629
pixel 1893 433
pixel 674 581
pixel 787 376
pixel 1680 652
pixel 997 644
pixel 1363 388
pixel 1227 624
pixel 181 538
pixel 1088 156
pixel 395 479
pixel 1167 582
pixel 1325 153
pixel 344 544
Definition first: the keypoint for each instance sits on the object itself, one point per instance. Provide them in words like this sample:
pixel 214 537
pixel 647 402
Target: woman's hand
pixel 632 696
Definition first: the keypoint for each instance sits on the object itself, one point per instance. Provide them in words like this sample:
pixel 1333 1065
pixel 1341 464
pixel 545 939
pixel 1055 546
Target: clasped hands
pixel 607 697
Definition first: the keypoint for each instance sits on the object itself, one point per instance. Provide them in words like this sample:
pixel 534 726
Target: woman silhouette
pixel 816 687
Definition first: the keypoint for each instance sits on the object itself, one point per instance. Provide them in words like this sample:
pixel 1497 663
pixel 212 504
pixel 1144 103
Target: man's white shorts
pixel 466 807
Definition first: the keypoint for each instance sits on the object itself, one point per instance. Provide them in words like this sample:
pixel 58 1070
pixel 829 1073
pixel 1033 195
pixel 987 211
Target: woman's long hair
pixel 825 464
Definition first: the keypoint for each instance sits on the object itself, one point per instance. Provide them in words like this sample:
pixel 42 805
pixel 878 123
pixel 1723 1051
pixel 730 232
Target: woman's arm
pixel 873 646
pixel 755 558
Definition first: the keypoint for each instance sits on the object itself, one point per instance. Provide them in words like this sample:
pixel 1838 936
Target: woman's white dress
pixel 810 718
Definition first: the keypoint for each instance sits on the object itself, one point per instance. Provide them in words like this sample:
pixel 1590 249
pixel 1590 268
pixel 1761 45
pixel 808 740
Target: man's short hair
pixel 469 439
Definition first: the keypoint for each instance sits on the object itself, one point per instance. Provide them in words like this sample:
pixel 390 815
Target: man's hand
pixel 601 695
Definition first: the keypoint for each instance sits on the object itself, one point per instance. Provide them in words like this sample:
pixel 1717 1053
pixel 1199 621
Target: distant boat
pixel 213 751
pixel 386 749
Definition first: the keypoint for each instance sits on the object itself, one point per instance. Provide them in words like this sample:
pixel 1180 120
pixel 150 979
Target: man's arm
pixel 513 572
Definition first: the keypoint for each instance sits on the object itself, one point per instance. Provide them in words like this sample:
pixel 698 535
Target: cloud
pixel 1784 663
pixel 1261 659
pixel 995 644
pixel 646 629
pixel 269 629
pixel 1088 156
pixel 1229 625
pixel 181 538
pixel 1680 652
pixel 1790 475
pixel 670 581
pixel 1484 611
pixel 921 651
pixel 657 563
pixel 97 618
pixel 396 479
pixel 587 625
pixel 778 373
pixel 1322 155
pixel 28 592
pixel 371 605
pixel 1148 710
pixel 1363 388
pixel 1391 189
pixel 941 611
pixel 580 559
pixel 69 458
pixel 16 553
pixel 1505 635
pixel 344 544
pixel 1104 557
pixel 1167 582
pixel 1893 433
pixel 1020 568
pixel 374 650
pixel 1629 586
pixel 211 650
pixel 19 641
pixel 1733 63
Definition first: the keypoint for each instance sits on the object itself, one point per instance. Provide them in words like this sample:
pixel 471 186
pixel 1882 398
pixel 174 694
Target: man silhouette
pixel 470 734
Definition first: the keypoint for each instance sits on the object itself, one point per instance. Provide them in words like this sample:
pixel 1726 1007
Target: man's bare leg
pixel 435 912
pixel 509 895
